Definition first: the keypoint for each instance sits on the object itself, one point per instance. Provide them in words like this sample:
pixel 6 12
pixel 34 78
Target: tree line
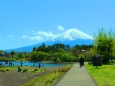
pixel 57 52
pixel 104 44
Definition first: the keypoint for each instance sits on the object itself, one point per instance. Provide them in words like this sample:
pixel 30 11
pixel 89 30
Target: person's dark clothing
pixel 39 65
pixel 81 61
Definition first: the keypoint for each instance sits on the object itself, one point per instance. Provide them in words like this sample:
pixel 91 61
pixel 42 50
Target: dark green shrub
pixel 7 69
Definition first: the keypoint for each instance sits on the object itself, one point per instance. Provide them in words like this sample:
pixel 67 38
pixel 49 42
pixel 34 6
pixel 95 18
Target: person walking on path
pixel 77 77
pixel 81 62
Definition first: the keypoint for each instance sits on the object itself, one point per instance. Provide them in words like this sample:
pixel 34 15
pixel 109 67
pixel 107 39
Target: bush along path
pixel 50 78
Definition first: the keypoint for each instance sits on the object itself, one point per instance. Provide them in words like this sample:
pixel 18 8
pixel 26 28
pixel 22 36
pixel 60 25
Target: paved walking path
pixel 77 76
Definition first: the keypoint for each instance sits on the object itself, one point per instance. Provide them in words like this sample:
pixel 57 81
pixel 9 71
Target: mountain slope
pixel 24 49
pixel 73 34
pixel 71 37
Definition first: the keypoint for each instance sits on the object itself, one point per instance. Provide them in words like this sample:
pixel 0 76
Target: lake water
pixel 27 63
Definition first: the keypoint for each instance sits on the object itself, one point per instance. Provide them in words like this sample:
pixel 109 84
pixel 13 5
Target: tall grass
pixel 48 79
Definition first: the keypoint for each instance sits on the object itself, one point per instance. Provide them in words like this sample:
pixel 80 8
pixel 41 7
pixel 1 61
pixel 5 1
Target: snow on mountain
pixel 73 34
pixel 71 37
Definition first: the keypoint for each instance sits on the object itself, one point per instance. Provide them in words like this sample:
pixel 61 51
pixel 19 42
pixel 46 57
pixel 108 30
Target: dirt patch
pixel 14 78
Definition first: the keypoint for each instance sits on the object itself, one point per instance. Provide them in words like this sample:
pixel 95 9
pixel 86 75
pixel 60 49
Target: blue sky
pixel 28 22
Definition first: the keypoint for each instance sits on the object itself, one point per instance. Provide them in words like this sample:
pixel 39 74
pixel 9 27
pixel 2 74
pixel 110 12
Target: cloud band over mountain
pixel 71 37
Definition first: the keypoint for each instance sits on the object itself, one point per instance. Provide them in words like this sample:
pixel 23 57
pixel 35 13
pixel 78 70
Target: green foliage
pixel 67 57
pixel 4 59
pixel 57 56
pixel 34 48
pixel 37 56
pixel 12 53
pixel 103 44
pixel 113 48
pixel 83 50
pixel 58 52
pixel 22 55
pixel 58 60
pixel 58 46
pixel 92 52
pixel 49 79
pixel 61 50
pixel 1 51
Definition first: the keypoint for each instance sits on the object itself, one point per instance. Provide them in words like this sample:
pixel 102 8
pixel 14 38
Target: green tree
pixel 37 56
pixel 34 48
pixel 67 57
pixel 58 60
pixel 41 48
pixel 12 53
pixel 67 48
pixel 113 48
pixel 92 52
pixel 22 55
pixel 1 51
pixel 103 43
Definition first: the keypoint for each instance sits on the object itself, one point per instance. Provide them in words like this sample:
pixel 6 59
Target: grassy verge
pixel 104 75
pixel 7 68
pixel 48 79
pixel 36 70
pixel 32 70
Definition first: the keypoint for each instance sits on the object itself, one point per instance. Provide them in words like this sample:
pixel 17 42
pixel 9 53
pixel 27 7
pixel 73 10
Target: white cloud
pixel 39 38
pixel 61 28
pixel 46 34
pixel 11 36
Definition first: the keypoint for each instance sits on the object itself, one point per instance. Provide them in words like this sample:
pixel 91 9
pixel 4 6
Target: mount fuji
pixel 71 37
pixel 73 34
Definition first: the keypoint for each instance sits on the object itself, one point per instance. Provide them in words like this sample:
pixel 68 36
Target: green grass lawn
pixel 29 69
pixel 104 75
pixel 8 68
pixel 13 67
pixel 37 70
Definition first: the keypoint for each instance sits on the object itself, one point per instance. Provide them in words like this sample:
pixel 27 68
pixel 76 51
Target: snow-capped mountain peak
pixel 73 34
pixel 71 37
